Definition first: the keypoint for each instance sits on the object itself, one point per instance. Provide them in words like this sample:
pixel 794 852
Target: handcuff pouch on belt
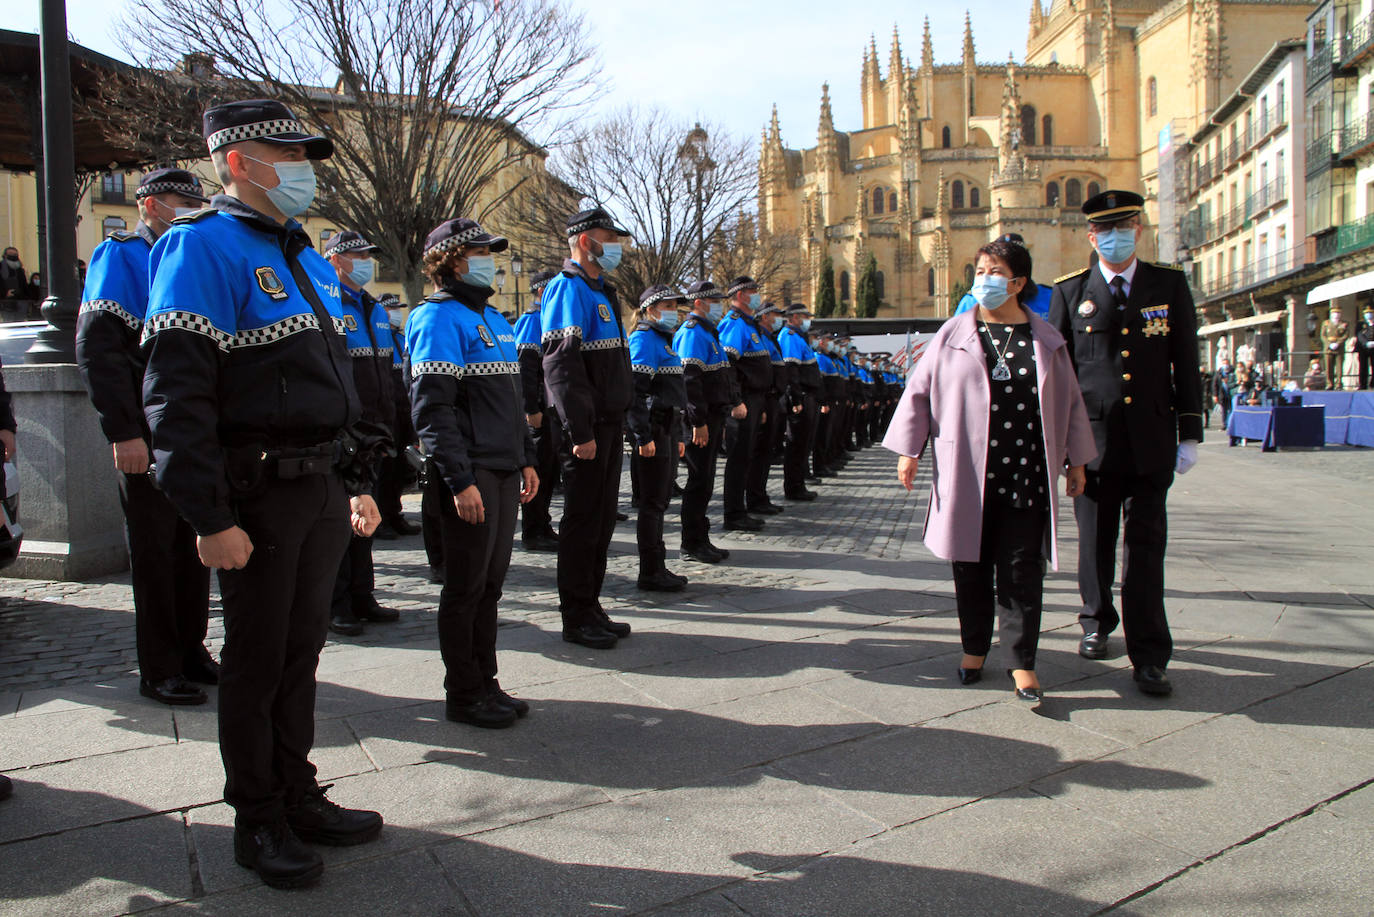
pixel 358 452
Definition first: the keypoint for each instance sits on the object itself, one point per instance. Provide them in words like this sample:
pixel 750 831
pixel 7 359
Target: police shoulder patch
pixel 1070 275
pixel 198 215
pixel 270 283
pixel 604 311
pixel 123 235
pixel 350 323
pixel 1167 266
pixel 485 336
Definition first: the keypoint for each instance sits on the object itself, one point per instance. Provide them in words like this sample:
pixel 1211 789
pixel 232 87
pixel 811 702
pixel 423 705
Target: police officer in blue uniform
pixel 1132 333
pixel 257 438
pixel 772 424
pixel 655 424
pixel 752 363
pixel 803 390
pixel 171 586
pixel 367 334
pixel 587 374
pixel 396 473
pixel 831 393
pixel 537 532
pixel 465 388
pixel 712 393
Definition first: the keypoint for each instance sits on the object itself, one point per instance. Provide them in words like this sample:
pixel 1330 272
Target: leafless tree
pixel 673 185
pixel 437 108
pixel 739 247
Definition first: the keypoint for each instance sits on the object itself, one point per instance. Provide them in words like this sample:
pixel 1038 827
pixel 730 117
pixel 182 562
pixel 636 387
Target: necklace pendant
pixel 1001 372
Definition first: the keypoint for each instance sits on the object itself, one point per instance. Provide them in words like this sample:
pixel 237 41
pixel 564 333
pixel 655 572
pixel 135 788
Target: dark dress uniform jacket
pixel 1137 367
pixel 586 362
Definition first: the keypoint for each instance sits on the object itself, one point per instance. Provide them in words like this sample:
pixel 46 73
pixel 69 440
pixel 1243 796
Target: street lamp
pixel 696 165
pixel 517 265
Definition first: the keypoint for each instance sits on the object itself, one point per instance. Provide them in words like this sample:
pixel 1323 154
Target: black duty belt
pixel 289 464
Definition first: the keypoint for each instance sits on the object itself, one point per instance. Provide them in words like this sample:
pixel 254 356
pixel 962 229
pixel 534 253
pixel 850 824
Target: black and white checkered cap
pixel 742 283
pixel 704 289
pixel 596 218
pixel 346 241
pixel 389 301
pixel 454 234
pixel 540 279
pixel 797 309
pixel 658 293
pixel 265 120
pixel 164 181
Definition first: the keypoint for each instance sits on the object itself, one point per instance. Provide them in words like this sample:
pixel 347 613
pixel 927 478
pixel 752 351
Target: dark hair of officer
pixel 1016 257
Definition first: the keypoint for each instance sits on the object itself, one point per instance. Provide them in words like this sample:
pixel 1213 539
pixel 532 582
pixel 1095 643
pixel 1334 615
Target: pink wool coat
pixel 949 398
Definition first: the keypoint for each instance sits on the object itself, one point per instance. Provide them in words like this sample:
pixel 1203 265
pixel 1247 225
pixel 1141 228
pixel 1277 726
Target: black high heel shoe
pixel 1031 696
pixel 970 676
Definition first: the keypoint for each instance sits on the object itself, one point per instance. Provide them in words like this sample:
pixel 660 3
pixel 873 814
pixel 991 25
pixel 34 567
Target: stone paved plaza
pixel 786 737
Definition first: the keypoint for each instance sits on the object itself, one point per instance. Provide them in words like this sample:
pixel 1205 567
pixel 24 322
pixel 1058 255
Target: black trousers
pixel 534 515
pixel 476 558
pixel 393 477
pixel 1140 500
pixel 655 490
pixel 590 490
pixel 431 527
pixel 356 578
pixel 1009 565
pixel 767 444
pixel 1366 358
pixel 741 436
pixel 701 482
pixel 276 611
pixel 171 585
pixel 801 431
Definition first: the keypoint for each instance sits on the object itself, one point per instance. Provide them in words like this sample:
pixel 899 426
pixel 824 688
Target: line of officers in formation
pixel 256 398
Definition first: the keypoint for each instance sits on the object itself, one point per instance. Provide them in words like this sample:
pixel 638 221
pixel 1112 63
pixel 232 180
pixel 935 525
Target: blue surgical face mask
pixel 1116 246
pixel 295 190
pixel 805 325
pixel 990 290
pixel 716 310
pixel 481 270
pixel 667 320
pixel 610 255
pixel 361 274
pixel 754 300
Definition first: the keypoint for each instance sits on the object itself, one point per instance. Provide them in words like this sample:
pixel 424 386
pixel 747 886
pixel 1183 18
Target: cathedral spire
pixel 827 146
pixel 774 133
pixel 1037 18
pixel 827 125
pixel 894 63
pixel 927 49
pixel 941 201
pixel 969 61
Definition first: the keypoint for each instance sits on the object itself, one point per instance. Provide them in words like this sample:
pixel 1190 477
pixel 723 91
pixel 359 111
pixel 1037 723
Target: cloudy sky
pixel 726 62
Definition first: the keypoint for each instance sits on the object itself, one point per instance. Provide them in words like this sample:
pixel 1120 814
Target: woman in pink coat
pixel 996 393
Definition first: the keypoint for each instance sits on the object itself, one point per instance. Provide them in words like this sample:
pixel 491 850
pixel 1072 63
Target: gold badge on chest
pixel 604 311
pixel 1087 308
pixel 485 335
pixel 270 283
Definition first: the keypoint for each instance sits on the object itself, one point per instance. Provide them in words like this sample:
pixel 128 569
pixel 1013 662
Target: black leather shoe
pixel 503 699
pixel 618 629
pixel 678 576
pixel 1093 646
pixel 6 787
pixel 544 543
pixel 814 480
pixel 766 509
pixel 316 820
pixel 384 532
pixel 592 636
pixel 276 855
pixel 743 524
pixel 202 669
pixel 175 691
pixel 724 554
pixel 660 581
pixel 970 676
pixel 486 712
pixel 621 517
pixel 804 495
pixel 346 623
pixel 403 526
pixel 369 610
pixel 702 553
pixel 1150 679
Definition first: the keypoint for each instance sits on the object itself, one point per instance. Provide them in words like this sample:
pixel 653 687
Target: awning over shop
pixel 1343 287
pixel 1267 318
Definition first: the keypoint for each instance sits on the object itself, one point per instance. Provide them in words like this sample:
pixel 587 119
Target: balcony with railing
pixel 1358 42
pixel 1356 137
pixel 1321 152
pixel 1259 271
pixel 1353 237
pixel 1319 66
pixel 102 194
pixel 1271 195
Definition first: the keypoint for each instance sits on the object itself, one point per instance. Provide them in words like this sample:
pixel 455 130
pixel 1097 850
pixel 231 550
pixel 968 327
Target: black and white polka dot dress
pixel 1016 446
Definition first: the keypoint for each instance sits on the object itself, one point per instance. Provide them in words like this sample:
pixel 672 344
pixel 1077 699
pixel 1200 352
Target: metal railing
pixel 1248 275
pixel 102 195
pixel 1356 137
pixel 1357 41
pixel 1351 237
pixel 1321 151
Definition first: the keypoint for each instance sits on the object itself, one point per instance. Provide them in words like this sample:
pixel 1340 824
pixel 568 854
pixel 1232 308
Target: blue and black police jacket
pixel 529 334
pixel 706 372
pixel 108 328
pixel 660 392
pixel 751 358
pixel 367 334
pixel 245 347
pixel 586 363
pixel 465 386
pixel 798 355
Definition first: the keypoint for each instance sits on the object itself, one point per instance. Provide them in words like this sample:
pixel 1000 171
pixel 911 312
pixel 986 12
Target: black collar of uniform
pixel 653 326
pixel 145 232
pixel 573 269
pixel 751 320
pixel 362 297
pixel 224 203
pixel 471 296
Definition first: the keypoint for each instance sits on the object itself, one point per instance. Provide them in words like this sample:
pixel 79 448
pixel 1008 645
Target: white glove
pixel 1187 456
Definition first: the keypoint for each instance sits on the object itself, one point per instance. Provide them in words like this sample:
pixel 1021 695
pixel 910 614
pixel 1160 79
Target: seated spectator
pixel 1315 380
pixel 1289 384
